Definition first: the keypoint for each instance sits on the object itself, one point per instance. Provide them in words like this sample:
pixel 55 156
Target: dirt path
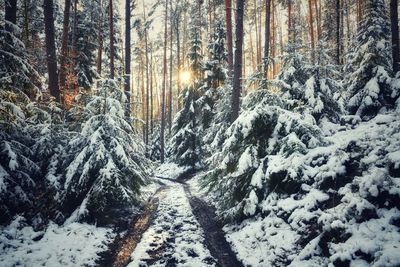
pixel 176 228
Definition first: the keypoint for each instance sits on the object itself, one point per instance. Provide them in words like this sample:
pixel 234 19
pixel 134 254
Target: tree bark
pixel 311 22
pixel 151 89
pixel 164 84
pixel 237 72
pixel 64 46
pixel 317 19
pixel 10 14
pixel 290 22
pixel 111 22
pixel 394 17
pixel 178 60
pixel 229 39
pixel 99 39
pixel 267 36
pixel 337 31
pixel 127 85
pixel 48 10
pixel 170 73
pixel 146 45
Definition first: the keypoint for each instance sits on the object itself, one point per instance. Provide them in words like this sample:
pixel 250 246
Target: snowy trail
pixel 175 237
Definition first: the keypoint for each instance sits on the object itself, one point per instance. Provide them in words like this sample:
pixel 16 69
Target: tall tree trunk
pixel 151 89
pixel 311 22
pixel 273 40
pixel 255 21
pixel 337 31
pixel 25 32
pixel 178 61
pixel 170 72
pixel 237 72
pixel 10 14
pixel 394 17
pixel 358 9
pixel 111 22
pixel 318 20
pixel 290 22
pixel 99 39
pixel 143 98
pixel 164 84
pixel 267 36
pixel 48 10
pixel 146 47
pixel 74 33
pixel 127 85
pixel 229 39
pixel 64 46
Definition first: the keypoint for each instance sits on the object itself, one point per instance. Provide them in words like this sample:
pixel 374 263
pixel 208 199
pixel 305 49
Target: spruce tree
pixel 369 81
pixel 105 164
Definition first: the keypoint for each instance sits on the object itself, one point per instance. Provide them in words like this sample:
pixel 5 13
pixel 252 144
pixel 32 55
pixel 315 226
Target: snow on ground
pixel 174 237
pixel 170 170
pixel 75 244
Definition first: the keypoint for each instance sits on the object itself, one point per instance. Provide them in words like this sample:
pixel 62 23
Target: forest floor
pixel 177 228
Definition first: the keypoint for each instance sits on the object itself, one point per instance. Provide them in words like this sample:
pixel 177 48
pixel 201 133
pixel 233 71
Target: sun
pixel 185 77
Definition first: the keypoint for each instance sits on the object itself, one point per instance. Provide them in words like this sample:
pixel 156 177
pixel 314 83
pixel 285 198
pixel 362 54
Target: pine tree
pixel 370 71
pixel 105 164
pixel 184 147
pixel 215 71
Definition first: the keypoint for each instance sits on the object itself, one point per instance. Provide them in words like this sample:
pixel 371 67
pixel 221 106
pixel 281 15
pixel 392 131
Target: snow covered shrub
pixel 104 165
pixel 184 145
pixel 369 80
pixel 265 129
pixel 155 144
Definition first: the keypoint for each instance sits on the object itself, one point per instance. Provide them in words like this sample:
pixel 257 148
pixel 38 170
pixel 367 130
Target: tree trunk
pixel 318 20
pixel 127 85
pixel 111 22
pixel 267 36
pixel 311 22
pixel 151 89
pixel 178 62
pixel 337 32
pixel 228 19
pixel 25 32
pixel 64 46
pixel 394 17
pixel 237 72
pixel 164 84
pixel 99 39
pixel 146 45
pixel 255 21
pixel 290 22
pixel 358 3
pixel 74 33
pixel 170 73
pixel 10 14
pixel 51 58
pixel 273 40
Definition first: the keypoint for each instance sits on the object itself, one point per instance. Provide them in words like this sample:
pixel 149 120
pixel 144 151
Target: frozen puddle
pixel 175 237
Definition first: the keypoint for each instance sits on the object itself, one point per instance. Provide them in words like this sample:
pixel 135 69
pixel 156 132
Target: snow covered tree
pixel 183 147
pixel 215 71
pixel 237 178
pixel 369 81
pixel 194 55
pixel 104 165
pixel 16 72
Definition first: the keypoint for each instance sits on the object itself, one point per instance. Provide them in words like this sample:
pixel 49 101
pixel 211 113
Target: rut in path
pixel 215 238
